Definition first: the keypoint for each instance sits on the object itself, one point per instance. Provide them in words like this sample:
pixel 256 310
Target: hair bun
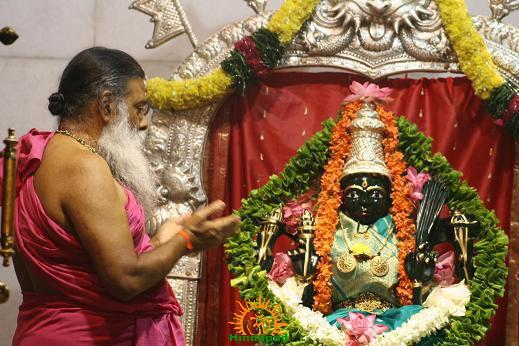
pixel 56 103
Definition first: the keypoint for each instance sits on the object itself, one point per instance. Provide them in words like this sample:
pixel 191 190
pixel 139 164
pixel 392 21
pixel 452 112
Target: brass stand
pixel 8 196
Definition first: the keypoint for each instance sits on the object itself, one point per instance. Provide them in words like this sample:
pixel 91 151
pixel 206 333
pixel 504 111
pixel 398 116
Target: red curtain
pixel 255 134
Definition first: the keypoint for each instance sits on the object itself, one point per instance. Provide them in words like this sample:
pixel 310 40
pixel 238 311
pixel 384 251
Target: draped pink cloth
pixel 84 313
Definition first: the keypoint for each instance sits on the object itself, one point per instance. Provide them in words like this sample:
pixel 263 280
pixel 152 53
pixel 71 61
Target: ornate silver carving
pixel 169 18
pixel 257 5
pixel 176 140
pixel 186 292
pixel 502 41
pixel 366 153
pixel 502 8
pixel 376 26
pixel 174 146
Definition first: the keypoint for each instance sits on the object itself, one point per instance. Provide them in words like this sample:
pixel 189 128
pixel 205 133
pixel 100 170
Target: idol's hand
pixel 205 233
pixel 420 263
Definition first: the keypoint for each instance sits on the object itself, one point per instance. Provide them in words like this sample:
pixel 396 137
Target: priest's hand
pixel 206 233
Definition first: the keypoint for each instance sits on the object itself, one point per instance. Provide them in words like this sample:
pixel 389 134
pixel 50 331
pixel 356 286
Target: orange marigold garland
pixel 330 200
pixel 402 207
pixel 328 203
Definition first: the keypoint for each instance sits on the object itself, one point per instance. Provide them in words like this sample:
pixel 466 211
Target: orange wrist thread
pixel 186 237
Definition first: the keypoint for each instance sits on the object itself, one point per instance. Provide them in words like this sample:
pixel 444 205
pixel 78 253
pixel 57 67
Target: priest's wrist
pixel 187 236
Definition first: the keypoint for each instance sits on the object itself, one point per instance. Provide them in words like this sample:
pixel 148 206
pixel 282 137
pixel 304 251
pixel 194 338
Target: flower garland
pixel 312 321
pixel 328 203
pixel 441 304
pixel 252 57
pixel 402 207
pixel 415 329
pixel 306 166
pixel 188 93
pixel 476 62
pixel 287 21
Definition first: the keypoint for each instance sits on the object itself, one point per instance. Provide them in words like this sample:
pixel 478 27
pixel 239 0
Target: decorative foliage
pixel 269 47
pixel 302 171
pixel 236 66
pixel 492 246
pixel 476 61
pixel 253 57
pixel 503 105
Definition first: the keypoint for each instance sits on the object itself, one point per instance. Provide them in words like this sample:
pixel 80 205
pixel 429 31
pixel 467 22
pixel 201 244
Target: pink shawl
pixel 84 314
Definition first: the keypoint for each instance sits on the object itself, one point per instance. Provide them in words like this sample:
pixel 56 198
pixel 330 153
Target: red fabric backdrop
pixel 255 134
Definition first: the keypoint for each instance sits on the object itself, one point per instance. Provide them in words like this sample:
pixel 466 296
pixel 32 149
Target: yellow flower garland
pixel 287 21
pixel 473 56
pixel 190 93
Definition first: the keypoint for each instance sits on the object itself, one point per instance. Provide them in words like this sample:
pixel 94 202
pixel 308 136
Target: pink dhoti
pixel 84 313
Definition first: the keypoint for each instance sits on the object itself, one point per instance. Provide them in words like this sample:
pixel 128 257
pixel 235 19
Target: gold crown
pixel 366 153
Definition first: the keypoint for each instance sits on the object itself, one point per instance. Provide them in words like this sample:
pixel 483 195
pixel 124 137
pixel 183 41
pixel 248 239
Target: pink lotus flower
pixel 282 268
pixel 293 210
pixel 368 92
pixel 444 269
pixel 360 329
pixel 417 182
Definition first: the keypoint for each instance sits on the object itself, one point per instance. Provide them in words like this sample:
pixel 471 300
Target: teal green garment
pixel 392 318
pixel 361 279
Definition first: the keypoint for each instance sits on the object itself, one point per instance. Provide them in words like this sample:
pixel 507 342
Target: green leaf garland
pixel 269 46
pixel 492 246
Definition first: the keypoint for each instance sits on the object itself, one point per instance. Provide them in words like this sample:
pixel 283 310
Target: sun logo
pixel 258 318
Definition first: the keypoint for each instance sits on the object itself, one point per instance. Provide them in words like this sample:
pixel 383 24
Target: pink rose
pixel 282 268
pixel 444 269
pixel 293 210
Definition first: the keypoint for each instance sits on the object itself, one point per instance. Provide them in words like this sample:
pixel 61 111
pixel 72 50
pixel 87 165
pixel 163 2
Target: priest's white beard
pixel 121 145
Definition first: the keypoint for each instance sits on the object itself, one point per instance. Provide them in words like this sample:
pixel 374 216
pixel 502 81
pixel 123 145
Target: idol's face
pixel 365 197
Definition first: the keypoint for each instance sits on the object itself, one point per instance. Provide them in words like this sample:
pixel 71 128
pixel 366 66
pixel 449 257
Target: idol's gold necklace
pixel 79 139
pixel 378 265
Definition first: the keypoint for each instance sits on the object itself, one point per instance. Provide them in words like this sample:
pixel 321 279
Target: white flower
pixel 452 298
